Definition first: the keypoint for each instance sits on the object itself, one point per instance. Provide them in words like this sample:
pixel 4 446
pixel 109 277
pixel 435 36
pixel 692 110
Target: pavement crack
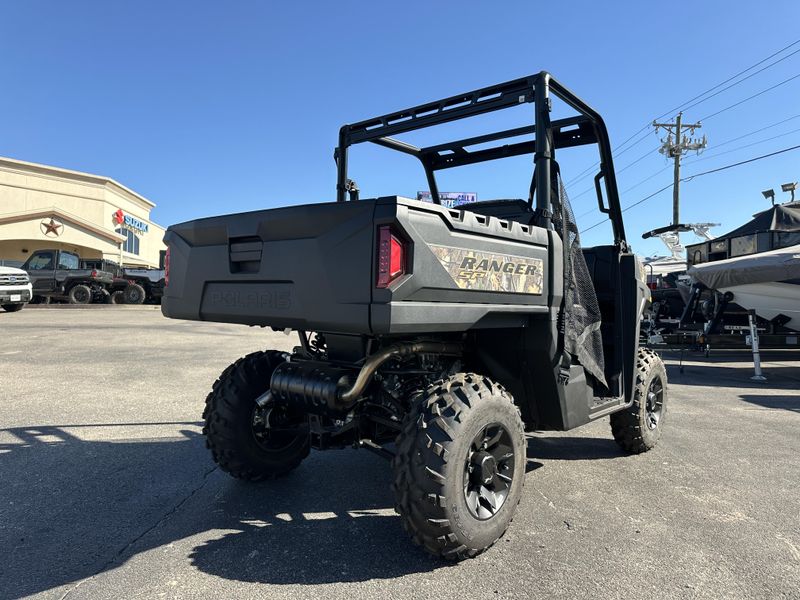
pixel 792 548
pixel 549 502
pixel 133 542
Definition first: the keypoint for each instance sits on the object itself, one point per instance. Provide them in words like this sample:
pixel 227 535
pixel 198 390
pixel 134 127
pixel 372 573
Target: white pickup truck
pixel 15 288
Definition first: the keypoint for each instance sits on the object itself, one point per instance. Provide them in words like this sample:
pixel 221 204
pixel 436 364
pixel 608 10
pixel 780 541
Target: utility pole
pixel 675 147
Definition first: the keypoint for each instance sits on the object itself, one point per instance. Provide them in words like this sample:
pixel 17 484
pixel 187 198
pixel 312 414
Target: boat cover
pixel 781 217
pixel 775 265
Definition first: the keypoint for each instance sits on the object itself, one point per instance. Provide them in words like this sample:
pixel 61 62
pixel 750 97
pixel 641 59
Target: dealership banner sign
pixel 450 199
pixel 132 222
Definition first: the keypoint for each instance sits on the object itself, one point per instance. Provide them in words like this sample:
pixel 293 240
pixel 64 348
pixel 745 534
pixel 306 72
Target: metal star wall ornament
pixel 51 227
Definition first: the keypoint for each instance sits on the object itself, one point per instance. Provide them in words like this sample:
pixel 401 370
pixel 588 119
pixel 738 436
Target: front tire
pixel 460 466
pixel 12 307
pixel 638 428
pixel 238 431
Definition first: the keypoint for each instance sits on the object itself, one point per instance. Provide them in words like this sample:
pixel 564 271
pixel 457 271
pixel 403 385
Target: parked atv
pixel 432 335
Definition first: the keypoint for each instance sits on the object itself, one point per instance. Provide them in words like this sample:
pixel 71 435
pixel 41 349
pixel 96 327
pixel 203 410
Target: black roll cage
pixel 585 128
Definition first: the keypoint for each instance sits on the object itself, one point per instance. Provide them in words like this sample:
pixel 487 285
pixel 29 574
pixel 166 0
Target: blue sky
pixel 208 108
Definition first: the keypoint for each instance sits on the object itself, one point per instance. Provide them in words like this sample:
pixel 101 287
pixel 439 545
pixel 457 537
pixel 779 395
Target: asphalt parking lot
pixel 108 492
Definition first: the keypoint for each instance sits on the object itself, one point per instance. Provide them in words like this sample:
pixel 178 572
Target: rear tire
pixel 238 432
pixel 80 294
pixel 117 297
pixel 454 496
pixel 637 428
pixel 12 307
pixel 134 294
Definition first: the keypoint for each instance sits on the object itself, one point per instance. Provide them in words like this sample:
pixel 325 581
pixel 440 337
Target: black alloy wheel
pixel 488 471
pixel 654 405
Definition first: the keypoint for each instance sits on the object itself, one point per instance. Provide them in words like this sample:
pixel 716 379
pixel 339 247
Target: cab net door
pixel 581 316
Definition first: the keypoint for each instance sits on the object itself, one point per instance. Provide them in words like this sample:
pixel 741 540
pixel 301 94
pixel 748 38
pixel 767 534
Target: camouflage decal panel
pixel 486 271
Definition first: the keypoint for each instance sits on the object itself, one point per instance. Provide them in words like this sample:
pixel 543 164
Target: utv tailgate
pixel 314 267
pixel 302 267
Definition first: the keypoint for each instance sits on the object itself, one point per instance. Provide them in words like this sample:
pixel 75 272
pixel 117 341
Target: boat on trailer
pixel 756 266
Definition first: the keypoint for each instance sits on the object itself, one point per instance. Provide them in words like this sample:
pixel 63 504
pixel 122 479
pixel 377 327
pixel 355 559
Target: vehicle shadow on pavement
pixel 573 448
pixel 72 509
pixel 736 376
pixel 330 521
pixel 786 402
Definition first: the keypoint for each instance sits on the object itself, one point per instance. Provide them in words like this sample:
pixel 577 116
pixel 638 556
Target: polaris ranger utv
pixel 434 336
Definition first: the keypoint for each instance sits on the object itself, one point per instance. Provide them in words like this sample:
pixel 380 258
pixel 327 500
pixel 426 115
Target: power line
pixel 666 187
pixel 769 139
pixel 581 175
pixel 744 135
pixel 711 89
pixel 741 80
pixel 628 189
pixel 693 160
pixel 633 136
pixel 742 72
pixel 688 104
pixel 694 176
pixel 735 104
pixel 638 160
pixel 636 143
pixel 626 167
pixel 586 172
pixel 743 162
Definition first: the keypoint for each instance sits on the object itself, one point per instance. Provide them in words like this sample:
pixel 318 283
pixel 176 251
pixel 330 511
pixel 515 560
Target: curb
pixel 92 306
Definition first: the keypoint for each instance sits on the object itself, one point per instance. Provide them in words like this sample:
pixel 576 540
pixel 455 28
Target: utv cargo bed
pixel 317 267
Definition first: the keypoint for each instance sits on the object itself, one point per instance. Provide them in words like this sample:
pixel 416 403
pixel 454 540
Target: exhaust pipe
pixel 322 388
pixel 347 397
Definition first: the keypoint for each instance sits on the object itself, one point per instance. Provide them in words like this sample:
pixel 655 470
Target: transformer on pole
pixel 674 146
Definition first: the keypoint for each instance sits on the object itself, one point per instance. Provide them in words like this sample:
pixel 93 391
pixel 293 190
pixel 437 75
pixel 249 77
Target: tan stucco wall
pixel 31 189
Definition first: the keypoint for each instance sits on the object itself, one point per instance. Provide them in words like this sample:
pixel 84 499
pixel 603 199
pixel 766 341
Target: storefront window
pixel 131 244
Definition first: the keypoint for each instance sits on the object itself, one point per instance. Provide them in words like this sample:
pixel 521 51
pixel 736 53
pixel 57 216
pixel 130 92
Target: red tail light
pixel 166 267
pixel 391 257
pixel 94 274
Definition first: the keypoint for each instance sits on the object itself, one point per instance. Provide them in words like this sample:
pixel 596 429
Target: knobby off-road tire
pixel 433 485
pixel 12 307
pixel 117 297
pixel 236 443
pixel 80 294
pixel 638 428
pixel 134 294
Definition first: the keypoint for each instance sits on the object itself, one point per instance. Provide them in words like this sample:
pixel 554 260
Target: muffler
pixel 322 388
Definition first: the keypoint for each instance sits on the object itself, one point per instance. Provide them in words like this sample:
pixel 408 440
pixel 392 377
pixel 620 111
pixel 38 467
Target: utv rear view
pixel 448 333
